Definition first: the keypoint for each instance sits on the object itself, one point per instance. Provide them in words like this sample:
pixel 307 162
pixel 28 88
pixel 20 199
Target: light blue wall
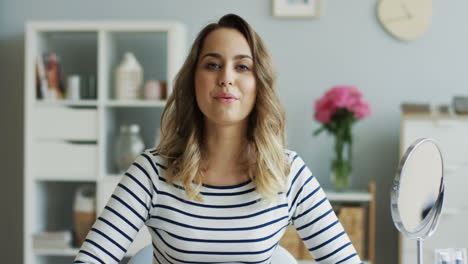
pixel 345 46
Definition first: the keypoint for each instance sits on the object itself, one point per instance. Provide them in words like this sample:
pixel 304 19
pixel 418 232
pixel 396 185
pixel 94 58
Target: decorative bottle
pixel 84 208
pixel 128 146
pixel 128 78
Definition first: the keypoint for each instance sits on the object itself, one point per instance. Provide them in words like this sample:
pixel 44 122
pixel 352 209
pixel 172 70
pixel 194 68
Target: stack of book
pixel 52 240
pixel 48 76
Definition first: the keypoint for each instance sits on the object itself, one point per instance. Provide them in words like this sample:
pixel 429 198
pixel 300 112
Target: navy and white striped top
pixel 231 225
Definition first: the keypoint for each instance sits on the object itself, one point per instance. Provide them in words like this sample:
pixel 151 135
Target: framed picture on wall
pixel 296 8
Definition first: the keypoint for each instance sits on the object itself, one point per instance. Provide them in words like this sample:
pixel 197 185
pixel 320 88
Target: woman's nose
pixel 225 83
pixel 226 78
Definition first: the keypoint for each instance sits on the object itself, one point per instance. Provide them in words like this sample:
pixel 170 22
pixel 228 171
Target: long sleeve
pixel 124 214
pixel 314 219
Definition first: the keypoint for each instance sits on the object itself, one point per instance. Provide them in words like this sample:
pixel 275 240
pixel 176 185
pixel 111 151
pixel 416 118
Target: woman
pixel 220 187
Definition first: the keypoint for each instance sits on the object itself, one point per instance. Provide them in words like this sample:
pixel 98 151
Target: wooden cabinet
pixel 451 134
pixel 356 212
pixel 70 143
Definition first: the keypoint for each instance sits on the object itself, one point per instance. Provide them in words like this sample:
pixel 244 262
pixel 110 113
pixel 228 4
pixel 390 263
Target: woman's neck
pixel 225 151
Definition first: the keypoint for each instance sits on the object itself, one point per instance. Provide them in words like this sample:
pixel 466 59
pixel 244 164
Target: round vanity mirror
pixel 418 191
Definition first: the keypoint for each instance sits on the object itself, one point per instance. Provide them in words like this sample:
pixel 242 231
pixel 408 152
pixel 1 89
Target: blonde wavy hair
pixel 182 121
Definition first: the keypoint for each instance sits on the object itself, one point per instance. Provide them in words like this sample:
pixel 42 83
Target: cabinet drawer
pixel 451 136
pixel 61 160
pixel 456 181
pixel 451 232
pixel 65 123
pixel 411 256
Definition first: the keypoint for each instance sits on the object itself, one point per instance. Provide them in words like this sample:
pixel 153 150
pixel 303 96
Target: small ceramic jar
pixel 153 90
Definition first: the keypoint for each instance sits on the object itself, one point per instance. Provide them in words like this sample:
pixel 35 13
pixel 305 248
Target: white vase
pixel 128 78
pixel 128 145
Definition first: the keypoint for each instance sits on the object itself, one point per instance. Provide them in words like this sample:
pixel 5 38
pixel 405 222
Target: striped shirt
pixel 232 224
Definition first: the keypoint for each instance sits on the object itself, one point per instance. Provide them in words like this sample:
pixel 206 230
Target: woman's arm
pixel 313 217
pixel 125 213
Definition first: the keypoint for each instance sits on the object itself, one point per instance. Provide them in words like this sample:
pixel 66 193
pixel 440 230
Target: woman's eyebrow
pixel 239 57
pixel 218 56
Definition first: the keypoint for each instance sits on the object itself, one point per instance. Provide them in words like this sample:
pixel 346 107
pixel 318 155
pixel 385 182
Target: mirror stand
pixel 420 246
pixel 418 192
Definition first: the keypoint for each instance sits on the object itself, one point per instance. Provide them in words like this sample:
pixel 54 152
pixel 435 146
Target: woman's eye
pixel 243 67
pixel 212 66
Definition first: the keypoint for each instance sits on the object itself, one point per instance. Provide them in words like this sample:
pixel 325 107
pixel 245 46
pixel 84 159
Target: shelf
pixel 70 143
pixel 64 102
pixel 61 178
pixel 348 196
pixel 95 25
pixel 76 55
pixel 433 116
pixel 56 200
pixel 148 118
pixel 150 50
pixel 56 252
pixel 136 103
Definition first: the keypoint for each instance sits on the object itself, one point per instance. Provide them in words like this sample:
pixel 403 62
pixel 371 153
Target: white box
pixel 64 161
pixel 65 123
pixel 450 134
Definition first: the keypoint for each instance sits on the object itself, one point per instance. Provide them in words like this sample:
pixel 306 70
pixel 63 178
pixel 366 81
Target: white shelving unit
pixel 449 131
pixel 70 143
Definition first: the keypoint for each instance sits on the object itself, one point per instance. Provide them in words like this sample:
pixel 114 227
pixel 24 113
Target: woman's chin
pixel 230 121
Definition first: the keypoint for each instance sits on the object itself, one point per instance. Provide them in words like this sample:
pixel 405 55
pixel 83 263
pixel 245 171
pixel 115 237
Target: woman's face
pixel 225 86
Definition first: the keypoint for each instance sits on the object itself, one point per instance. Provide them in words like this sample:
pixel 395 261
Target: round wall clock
pixel 405 19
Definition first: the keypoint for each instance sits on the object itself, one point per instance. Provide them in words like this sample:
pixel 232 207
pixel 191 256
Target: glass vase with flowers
pixel 337 110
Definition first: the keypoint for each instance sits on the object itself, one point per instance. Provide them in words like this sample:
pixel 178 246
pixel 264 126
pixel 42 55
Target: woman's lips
pixel 225 100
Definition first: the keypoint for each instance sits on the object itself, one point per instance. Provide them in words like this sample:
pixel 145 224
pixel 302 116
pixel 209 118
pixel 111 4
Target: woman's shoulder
pixel 292 156
pixel 152 161
pixel 155 156
pixel 298 165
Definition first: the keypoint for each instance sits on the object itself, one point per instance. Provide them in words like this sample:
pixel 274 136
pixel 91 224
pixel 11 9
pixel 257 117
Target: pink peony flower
pixel 344 96
pixel 323 116
pixel 361 109
pixel 340 97
pixel 324 108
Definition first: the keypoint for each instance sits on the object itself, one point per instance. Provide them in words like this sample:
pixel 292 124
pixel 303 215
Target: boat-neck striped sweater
pixel 232 224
